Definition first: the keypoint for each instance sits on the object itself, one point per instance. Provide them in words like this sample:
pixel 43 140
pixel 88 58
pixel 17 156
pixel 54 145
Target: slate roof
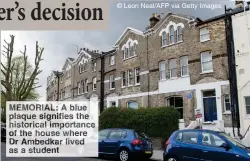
pixel 234 11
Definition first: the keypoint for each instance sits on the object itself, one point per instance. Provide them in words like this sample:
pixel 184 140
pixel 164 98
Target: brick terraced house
pixel 178 61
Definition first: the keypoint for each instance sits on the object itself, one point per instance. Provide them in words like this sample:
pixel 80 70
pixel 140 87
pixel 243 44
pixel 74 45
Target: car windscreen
pixel 234 141
pixel 141 135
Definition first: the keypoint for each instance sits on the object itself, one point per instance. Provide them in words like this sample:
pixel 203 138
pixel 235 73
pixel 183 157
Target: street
pixel 4 158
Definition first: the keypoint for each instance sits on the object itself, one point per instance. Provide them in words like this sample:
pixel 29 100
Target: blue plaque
pixel 189 96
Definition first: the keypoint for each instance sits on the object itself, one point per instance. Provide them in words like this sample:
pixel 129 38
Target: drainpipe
pixel 148 72
pixel 232 71
pixel 102 83
pixel 58 82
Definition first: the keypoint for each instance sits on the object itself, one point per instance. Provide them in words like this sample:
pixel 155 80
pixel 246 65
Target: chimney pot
pixel 239 3
pixel 154 19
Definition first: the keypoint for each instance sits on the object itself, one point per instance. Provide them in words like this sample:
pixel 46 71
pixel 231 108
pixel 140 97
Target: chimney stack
pixel 239 3
pixel 154 19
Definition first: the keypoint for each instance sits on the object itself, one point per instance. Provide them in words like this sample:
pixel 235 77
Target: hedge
pixel 155 122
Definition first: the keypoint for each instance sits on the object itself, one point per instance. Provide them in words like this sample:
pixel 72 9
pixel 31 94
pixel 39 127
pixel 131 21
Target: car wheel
pixel 172 159
pixel 124 155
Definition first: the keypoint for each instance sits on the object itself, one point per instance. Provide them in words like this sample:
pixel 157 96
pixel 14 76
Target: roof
pixel 93 54
pixel 109 52
pixel 233 11
pixel 126 31
pixel 55 72
pixel 71 59
pixel 165 17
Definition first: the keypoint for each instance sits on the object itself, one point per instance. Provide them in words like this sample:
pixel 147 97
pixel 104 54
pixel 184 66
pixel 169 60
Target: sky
pixel 58 45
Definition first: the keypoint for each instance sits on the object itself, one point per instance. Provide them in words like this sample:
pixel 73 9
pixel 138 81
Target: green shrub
pixel 155 122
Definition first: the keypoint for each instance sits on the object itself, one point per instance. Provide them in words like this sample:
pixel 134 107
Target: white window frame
pixel 137 74
pixel 112 60
pixel 61 96
pixel 94 67
pixel 164 39
pixel 78 88
pixel 69 73
pixel 183 66
pixel 246 105
pixel 130 70
pixel 111 80
pixel 94 84
pixel 170 35
pixel 225 109
pixel 208 71
pixel 83 86
pixel 170 69
pixel 179 33
pixel 111 103
pixel 124 80
pixel 80 67
pixel 125 53
pixel 134 49
pixel 130 50
pixel 61 78
pixel 204 32
pixel 167 101
pixel 86 85
pixel 162 73
pixel 132 102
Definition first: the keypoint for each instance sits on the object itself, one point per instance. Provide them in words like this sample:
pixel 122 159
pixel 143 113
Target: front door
pixel 210 109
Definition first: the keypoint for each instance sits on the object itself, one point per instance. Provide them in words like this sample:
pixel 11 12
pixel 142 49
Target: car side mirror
pixel 226 146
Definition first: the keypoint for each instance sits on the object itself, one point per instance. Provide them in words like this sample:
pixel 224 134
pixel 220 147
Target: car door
pixel 213 150
pixel 113 141
pixel 186 146
pixel 102 137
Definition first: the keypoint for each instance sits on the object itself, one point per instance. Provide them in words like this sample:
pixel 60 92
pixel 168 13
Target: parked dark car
pixel 204 145
pixel 125 144
pixel 3 132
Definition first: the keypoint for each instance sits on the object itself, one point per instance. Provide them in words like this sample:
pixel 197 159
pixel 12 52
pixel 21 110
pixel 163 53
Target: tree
pixel 19 79
pixel 18 63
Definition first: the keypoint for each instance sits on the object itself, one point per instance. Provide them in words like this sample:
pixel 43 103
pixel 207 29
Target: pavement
pixel 156 157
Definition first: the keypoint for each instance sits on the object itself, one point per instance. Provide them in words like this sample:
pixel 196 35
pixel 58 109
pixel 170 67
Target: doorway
pixel 209 105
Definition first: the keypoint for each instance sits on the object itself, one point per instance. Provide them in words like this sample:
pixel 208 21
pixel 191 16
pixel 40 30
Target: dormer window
pixel 129 49
pixel 171 34
pixel 125 53
pixel 68 73
pixel 134 49
pixel 164 39
pixel 179 34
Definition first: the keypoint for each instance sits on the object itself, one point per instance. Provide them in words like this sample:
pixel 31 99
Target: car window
pixel 141 135
pixel 117 134
pixel 209 139
pixel 187 137
pixel 103 134
pixel 234 141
